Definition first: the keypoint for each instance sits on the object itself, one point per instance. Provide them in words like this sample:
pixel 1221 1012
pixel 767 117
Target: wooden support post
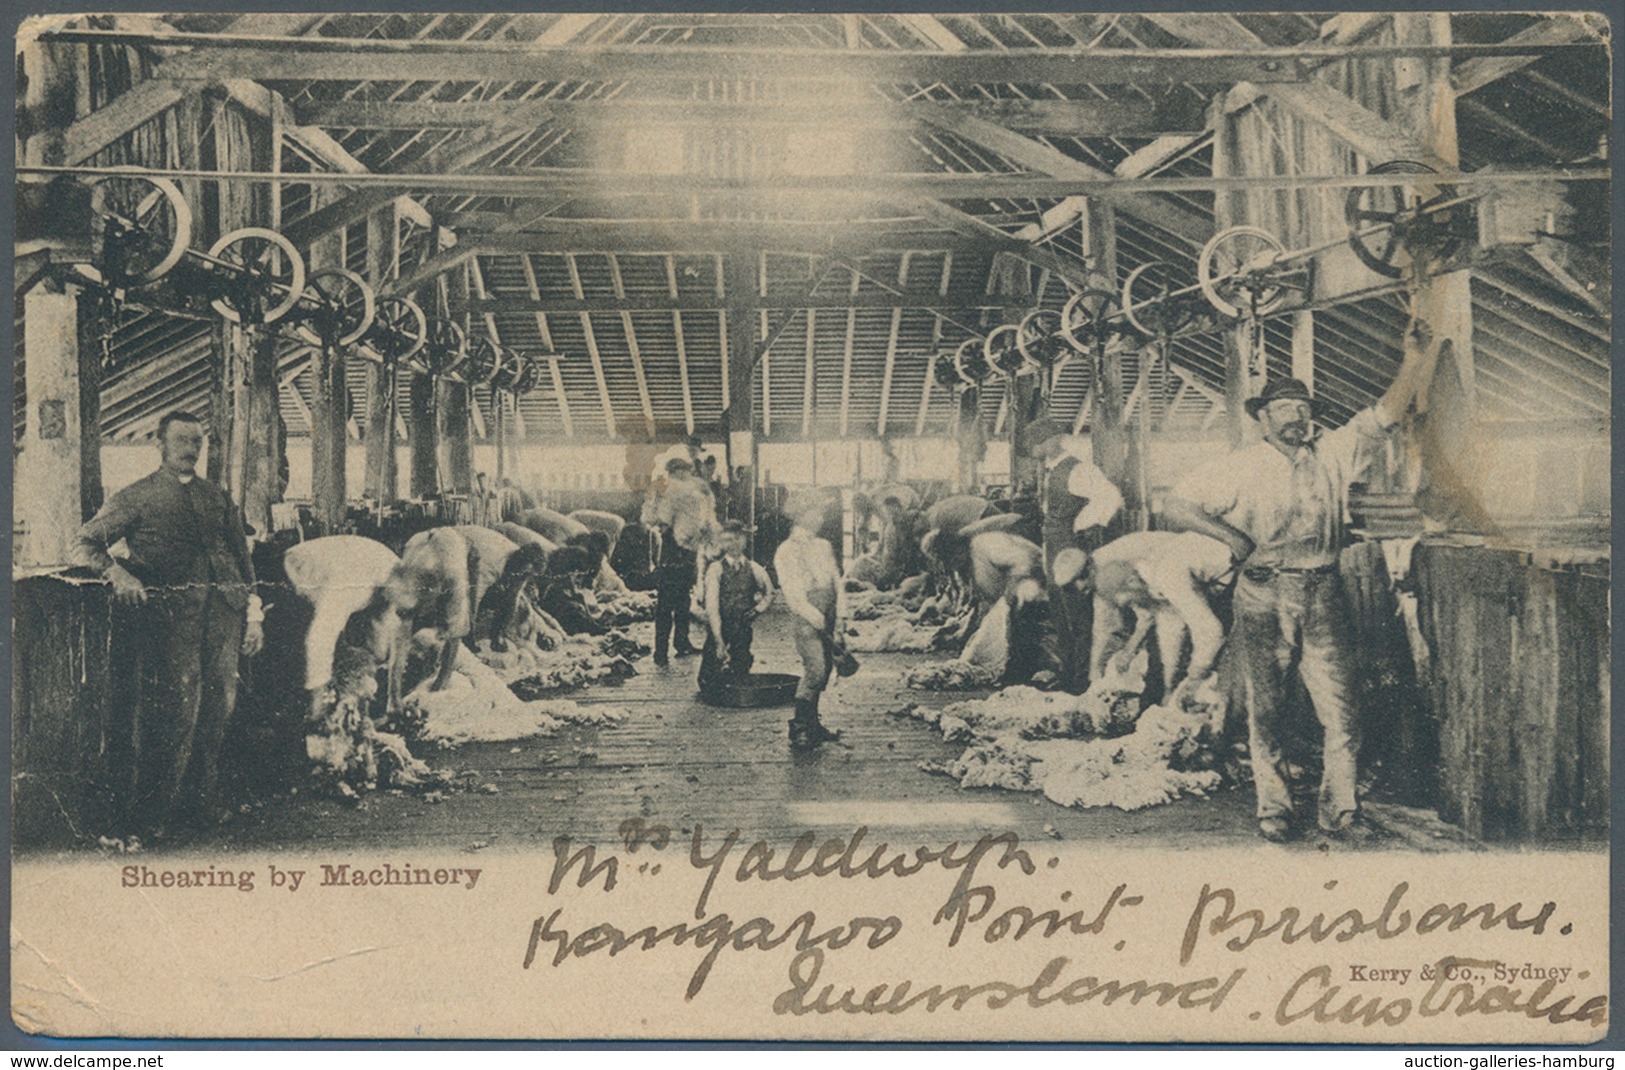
pixel 232 345
pixel 264 478
pixel 1229 209
pixel 89 347
pixel 1109 434
pixel 455 422
pixel 329 414
pixel 329 437
pixel 382 482
pixel 455 405
pixel 971 437
pixel 499 416
pixel 742 315
pixel 48 477
pixel 422 427
pixel 57 474
pixel 222 417
pixel 1137 488
pixel 421 437
pixel 1450 478
pixel 1012 286
pixel 1238 385
pixel 1303 348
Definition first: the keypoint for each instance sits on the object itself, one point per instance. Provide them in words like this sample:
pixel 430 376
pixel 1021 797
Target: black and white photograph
pixel 1053 526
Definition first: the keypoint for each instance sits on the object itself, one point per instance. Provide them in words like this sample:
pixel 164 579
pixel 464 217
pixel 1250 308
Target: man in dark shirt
pixel 185 610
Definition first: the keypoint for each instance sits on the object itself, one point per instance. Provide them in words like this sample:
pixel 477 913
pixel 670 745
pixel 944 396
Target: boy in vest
pixel 737 591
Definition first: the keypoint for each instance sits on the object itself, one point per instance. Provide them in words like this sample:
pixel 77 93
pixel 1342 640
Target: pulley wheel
pixel 1038 338
pixel 528 378
pixel 443 347
pixel 140 228
pixel 344 305
pixel 1150 304
pixel 264 275
pixel 1241 273
pixel 1436 232
pixel 1086 319
pixel 999 349
pixel 947 372
pixel 481 360
pixel 971 363
pixel 399 329
pixel 509 370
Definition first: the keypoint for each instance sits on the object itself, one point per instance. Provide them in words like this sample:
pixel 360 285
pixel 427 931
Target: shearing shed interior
pixel 465 429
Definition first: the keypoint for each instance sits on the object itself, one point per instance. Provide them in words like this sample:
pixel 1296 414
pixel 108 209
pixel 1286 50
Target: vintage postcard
pixel 1048 526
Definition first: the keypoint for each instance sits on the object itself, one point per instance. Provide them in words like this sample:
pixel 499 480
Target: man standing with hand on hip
pixel 811 582
pixel 1281 505
pixel 186 608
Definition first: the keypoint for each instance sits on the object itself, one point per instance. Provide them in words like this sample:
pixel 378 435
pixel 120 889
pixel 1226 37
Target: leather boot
pixel 806 729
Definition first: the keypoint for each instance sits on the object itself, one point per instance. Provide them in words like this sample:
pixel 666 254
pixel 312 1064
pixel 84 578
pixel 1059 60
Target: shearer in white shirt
pixel 1280 505
pixel 1162 578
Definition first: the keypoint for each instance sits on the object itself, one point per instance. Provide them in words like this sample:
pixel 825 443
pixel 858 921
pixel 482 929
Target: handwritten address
pixel 971 908
pixel 1385 957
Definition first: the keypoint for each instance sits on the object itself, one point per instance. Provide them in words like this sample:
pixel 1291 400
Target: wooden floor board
pixel 677 762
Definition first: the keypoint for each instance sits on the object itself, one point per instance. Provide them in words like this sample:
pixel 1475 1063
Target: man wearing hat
pixel 1079 501
pixel 1280 506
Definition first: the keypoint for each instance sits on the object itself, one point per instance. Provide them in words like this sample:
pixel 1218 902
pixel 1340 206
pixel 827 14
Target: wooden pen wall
pixel 1519 683
pixel 69 734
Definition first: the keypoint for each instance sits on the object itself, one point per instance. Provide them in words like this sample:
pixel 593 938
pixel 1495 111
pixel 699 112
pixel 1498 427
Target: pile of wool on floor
pixel 980 663
pixel 618 609
pixel 895 633
pixel 882 621
pixel 477 705
pixel 1083 751
pixel 576 661
pixel 951 675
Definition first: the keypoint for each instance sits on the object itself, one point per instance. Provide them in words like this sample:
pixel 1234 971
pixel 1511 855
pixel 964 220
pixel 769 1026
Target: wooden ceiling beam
pixel 682 347
pixel 1047 160
pixel 214 57
pixel 1215 61
pixel 775 301
pixel 644 401
pixel 94 132
pixel 522 183
pixel 1474 74
pixel 592 349
pixel 547 340
pixel 695 236
pixel 357 205
pixel 456 157
pixel 1061 118
pixel 999 240
pixel 1368 133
